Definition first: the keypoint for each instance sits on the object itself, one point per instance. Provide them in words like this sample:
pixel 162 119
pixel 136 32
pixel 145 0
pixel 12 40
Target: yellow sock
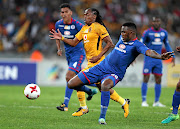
pixel 81 97
pixel 114 96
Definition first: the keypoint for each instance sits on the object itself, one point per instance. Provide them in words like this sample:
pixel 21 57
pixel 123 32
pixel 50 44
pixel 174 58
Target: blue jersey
pixel 115 64
pixel 154 40
pixel 69 31
pixel 122 56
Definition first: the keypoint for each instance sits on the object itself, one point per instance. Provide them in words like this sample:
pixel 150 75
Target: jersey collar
pixel 68 23
pixel 130 42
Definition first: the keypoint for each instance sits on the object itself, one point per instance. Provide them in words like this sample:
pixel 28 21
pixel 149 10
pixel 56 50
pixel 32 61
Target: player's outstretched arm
pixel 163 56
pixel 57 35
pixel 178 49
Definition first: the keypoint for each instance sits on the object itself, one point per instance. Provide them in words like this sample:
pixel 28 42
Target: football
pixel 32 91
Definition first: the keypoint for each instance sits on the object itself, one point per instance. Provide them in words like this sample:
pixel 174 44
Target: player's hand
pixel 55 35
pixel 59 52
pixel 178 49
pixel 94 59
pixel 167 55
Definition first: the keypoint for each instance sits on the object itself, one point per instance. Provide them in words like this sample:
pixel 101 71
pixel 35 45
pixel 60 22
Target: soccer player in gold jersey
pixel 93 33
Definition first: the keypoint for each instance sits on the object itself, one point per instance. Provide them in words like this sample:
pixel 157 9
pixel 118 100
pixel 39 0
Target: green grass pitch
pixel 16 111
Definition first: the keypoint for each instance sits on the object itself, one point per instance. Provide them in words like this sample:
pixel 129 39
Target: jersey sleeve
pixel 102 31
pixel 79 35
pixel 166 43
pixel 56 25
pixel 141 48
pixel 79 25
pixel 144 37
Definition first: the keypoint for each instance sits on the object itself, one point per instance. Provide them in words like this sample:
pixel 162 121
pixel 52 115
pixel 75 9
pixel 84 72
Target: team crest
pixel 162 34
pixel 90 29
pixel 72 26
pixel 122 46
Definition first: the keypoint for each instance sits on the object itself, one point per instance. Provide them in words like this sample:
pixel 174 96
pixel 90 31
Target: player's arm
pixel 59 51
pixel 109 44
pixel 163 56
pixel 169 49
pixel 58 36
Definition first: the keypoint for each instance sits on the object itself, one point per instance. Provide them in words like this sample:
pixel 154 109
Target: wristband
pixel 62 38
pixel 59 50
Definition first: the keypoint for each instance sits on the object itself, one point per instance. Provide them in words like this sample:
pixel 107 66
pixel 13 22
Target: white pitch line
pixel 92 109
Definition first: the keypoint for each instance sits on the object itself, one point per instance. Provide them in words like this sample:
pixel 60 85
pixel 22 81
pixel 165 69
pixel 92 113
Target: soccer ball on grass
pixel 32 91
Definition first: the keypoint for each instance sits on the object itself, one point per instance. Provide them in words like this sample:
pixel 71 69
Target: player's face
pixel 66 14
pixel 156 23
pixel 89 17
pixel 126 33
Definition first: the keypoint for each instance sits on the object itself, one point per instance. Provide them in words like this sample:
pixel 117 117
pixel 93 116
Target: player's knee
pixel 68 78
pixel 146 78
pixel 106 85
pixel 69 75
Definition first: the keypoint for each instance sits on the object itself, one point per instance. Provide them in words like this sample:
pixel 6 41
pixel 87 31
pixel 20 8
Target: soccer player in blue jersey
pixel 154 38
pixel 74 55
pixel 175 102
pixel 112 69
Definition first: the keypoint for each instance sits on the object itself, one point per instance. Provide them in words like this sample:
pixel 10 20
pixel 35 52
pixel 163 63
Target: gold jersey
pixel 92 36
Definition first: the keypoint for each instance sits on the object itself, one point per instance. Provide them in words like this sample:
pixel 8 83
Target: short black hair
pixel 131 25
pixel 65 5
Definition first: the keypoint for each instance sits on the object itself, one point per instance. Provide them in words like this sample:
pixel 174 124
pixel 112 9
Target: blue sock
pixel 144 91
pixel 93 85
pixel 85 89
pixel 68 93
pixel 157 92
pixel 176 102
pixel 105 97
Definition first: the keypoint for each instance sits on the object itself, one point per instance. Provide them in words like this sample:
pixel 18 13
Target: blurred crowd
pixel 25 24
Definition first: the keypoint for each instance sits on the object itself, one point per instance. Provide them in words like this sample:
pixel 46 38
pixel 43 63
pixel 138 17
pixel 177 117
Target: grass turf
pixel 16 111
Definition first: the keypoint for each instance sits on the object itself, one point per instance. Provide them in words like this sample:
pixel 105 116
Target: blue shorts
pixel 154 67
pixel 75 61
pixel 95 74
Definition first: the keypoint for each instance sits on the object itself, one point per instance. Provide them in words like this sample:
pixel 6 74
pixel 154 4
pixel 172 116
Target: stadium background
pixel 27 55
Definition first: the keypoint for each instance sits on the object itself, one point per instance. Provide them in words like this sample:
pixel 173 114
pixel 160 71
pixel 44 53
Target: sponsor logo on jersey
pixel 67 27
pixel 151 33
pixel 120 49
pixel 156 35
pixel 67 32
pixel 85 39
pixel 157 41
pixel 68 36
pixel 61 25
pixel 122 46
pixel 72 27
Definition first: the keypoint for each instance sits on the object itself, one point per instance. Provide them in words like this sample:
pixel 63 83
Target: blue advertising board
pixel 14 73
